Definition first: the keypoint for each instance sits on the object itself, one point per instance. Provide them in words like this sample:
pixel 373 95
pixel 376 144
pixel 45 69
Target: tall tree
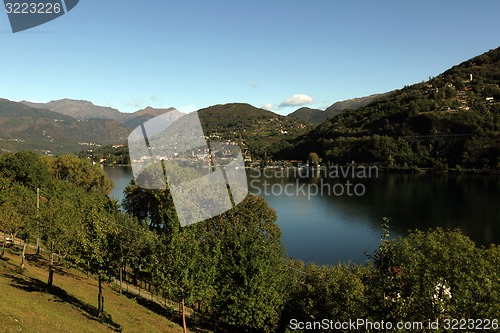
pixel 250 281
pixel 18 214
pixel 98 240
pixel 60 216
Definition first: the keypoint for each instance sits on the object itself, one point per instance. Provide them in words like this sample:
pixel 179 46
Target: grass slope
pixel 29 306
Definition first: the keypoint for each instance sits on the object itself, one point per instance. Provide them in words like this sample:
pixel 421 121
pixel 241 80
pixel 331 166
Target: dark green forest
pixel 233 268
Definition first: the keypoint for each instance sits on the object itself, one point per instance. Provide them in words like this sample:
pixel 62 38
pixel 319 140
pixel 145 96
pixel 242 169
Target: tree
pixel 18 214
pixel 251 271
pixel 325 292
pixel 314 159
pixel 185 264
pixel 25 168
pixel 60 216
pixel 80 172
pixel 136 245
pixel 434 274
pixel 97 237
pixel 234 263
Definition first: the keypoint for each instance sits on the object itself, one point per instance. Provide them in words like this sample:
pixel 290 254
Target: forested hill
pixel 262 132
pixel 451 120
pixel 25 127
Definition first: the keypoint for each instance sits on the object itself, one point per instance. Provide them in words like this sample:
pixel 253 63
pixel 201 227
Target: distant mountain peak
pixel 318 116
pixel 78 109
pixel 83 109
pixel 153 111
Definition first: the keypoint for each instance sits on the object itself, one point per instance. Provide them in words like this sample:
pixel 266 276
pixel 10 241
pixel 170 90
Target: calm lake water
pixel 333 226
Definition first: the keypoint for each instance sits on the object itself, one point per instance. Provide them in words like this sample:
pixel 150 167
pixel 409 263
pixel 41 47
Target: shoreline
pixel 401 170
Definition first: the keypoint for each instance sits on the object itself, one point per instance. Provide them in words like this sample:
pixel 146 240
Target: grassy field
pixel 28 305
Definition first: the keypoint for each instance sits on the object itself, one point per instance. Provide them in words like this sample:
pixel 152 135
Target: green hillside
pixel 262 132
pixel 451 120
pixel 309 115
pixel 25 127
pixel 28 305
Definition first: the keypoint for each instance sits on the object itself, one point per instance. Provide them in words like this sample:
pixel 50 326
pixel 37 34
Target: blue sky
pixel 282 54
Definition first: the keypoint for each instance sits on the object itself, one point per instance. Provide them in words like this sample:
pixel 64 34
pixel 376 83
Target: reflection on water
pixel 329 228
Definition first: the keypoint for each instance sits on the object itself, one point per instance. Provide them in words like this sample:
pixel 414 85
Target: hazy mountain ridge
pixel 132 120
pixel 24 127
pixel 79 109
pixel 354 103
pixel 454 119
pixel 260 131
pixel 83 110
pixel 318 116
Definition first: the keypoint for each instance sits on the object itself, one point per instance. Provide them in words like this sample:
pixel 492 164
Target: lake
pixel 325 219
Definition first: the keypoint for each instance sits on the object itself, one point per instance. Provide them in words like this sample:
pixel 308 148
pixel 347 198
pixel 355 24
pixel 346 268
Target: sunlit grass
pixel 27 305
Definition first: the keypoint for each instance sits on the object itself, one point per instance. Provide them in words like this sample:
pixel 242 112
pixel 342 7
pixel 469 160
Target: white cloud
pixel 187 108
pixel 268 106
pixel 254 85
pixel 297 100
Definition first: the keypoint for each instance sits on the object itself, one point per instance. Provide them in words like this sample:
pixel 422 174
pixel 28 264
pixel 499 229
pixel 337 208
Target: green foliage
pixel 78 171
pixel 18 210
pixel 434 275
pixel 251 270
pixel 317 292
pixel 314 159
pixel 233 265
pixel 26 168
pixel 74 217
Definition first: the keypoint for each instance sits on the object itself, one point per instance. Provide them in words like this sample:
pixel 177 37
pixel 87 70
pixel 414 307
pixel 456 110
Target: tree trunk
pixel 3 244
pixel 23 259
pixel 100 299
pixel 121 278
pixel 51 265
pixel 37 220
pixel 184 328
pixel 88 267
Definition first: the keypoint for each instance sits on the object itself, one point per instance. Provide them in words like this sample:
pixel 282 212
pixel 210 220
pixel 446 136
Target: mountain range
pixel 452 119
pixel 317 116
pixel 81 109
pixel 25 127
pixel 69 125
